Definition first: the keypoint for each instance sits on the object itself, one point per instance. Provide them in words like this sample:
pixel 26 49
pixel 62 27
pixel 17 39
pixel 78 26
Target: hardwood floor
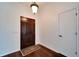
pixel 42 52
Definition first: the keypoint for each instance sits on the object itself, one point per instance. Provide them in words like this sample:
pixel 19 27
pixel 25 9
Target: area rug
pixel 29 50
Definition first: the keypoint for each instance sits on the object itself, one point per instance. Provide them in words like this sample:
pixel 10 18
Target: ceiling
pixel 27 4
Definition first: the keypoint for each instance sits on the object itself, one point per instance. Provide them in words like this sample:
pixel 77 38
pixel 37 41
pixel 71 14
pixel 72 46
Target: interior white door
pixel 67 32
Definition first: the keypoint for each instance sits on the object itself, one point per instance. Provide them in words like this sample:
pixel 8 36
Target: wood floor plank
pixel 42 52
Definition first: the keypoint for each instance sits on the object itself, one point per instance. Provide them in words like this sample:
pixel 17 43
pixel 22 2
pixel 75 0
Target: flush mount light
pixel 34 7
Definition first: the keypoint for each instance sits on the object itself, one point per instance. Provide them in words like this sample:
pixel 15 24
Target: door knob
pixel 60 35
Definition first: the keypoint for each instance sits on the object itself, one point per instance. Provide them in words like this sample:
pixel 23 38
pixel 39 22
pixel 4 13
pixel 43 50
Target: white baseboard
pixel 10 52
pixel 50 48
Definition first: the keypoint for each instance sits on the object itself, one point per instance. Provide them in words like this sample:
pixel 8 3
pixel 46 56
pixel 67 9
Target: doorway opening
pixel 27 30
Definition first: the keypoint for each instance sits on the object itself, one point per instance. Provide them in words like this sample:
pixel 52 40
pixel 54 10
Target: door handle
pixel 60 35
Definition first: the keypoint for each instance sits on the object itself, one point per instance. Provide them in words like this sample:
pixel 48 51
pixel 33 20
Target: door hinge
pixel 76 14
pixel 75 33
pixel 76 52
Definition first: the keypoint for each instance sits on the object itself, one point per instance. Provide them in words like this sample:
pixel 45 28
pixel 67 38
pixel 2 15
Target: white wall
pixel 46 25
pixel 10 26
pixel 49 24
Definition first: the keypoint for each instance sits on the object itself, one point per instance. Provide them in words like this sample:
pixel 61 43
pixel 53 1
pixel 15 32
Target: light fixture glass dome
pixel 34 7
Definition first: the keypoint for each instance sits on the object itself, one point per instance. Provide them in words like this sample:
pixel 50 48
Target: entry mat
pixel 29 50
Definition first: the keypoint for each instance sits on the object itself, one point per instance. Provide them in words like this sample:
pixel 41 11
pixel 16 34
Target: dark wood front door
pixel 27 32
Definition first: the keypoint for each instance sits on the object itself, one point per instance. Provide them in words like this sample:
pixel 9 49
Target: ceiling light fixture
pixel 34 7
